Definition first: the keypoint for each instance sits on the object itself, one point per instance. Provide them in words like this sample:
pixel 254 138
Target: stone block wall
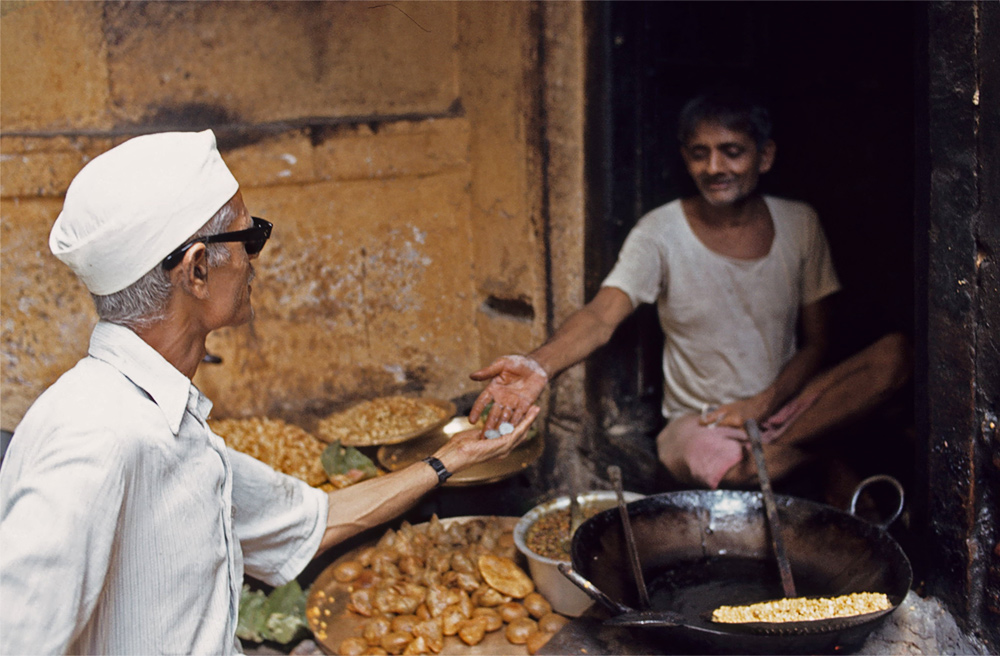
pixel 395 147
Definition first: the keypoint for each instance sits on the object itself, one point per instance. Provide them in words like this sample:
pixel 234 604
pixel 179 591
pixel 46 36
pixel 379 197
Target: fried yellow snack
pixel 504 575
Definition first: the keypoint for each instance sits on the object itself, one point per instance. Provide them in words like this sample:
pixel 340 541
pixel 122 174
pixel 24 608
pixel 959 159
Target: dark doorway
pixel 840 78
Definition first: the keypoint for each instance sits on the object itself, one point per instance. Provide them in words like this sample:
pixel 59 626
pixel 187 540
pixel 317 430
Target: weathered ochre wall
pixel 395 147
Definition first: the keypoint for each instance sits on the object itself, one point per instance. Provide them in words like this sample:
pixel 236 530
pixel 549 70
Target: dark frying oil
pixel 695 588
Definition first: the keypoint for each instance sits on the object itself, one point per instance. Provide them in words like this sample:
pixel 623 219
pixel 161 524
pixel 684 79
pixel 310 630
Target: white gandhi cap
pixel 129 207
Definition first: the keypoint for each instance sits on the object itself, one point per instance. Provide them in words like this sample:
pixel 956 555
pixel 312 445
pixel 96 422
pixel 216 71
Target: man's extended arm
pixel 516 381
pixel 795 374
pixel 377 500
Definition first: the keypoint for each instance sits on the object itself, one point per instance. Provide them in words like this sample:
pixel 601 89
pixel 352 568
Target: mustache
pixel 253 274
pixel 717 178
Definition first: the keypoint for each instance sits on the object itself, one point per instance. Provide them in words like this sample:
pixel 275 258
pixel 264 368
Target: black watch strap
pixel 439 469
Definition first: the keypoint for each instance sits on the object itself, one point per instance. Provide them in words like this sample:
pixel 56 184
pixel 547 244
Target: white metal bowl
pixel 565 597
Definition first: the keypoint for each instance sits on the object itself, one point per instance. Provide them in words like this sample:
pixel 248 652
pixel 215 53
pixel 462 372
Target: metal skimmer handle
pixel 771 508
pixel 592 591
pixel 615 474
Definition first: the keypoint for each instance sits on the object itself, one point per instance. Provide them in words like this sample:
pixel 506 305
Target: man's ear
pixel 193 270
pixel 767 156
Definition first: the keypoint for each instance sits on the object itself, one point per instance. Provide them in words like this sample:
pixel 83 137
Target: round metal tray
pixel 330 608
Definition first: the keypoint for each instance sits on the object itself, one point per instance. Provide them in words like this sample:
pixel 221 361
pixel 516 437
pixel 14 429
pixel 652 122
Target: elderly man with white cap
pixel 126 525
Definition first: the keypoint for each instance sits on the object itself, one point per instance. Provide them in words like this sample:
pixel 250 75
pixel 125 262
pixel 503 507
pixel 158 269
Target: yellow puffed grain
pixel 371 422
pixel 285 447
pixel 800 609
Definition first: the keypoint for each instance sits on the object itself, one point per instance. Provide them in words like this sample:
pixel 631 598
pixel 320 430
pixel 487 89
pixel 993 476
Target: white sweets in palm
pixel 505 428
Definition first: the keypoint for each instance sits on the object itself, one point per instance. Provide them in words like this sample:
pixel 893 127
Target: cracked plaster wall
pixel 395 148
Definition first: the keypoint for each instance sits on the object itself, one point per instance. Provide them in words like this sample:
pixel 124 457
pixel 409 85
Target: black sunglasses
pixel 253 241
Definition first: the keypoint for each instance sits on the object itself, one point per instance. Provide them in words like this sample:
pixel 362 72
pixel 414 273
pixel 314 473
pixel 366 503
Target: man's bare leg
pixel 845 392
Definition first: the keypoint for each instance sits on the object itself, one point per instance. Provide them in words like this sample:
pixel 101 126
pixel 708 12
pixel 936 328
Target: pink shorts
pixel 701 455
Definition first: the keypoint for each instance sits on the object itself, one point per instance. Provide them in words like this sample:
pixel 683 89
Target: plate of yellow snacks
pixel 286 447
pixel 385 420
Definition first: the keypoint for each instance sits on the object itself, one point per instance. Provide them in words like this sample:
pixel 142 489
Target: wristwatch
pixel 439 469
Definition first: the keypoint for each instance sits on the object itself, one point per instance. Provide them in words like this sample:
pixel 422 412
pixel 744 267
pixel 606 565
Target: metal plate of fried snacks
pixel 385 420
pixel 332 622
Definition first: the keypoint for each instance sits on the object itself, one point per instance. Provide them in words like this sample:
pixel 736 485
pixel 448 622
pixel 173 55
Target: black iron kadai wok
pixel 702 549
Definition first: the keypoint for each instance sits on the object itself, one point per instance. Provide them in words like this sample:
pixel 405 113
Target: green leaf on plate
pixel 339 460
pixel 279 616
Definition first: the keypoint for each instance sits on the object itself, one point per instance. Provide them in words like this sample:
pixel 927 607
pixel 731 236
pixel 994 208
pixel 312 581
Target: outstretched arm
pixel 377 500
pixel 516 381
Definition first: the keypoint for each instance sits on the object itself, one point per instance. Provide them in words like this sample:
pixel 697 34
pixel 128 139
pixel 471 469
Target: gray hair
pixel 144 302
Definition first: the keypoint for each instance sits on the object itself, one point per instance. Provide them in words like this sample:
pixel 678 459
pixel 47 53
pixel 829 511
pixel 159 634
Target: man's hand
pixel 772 426
pixel 470 447
pixel 515 383
pixel 371 502
pixel 734 414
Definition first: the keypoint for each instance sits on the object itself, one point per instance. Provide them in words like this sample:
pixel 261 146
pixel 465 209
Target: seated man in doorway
pixel 126 524
pixel 736 277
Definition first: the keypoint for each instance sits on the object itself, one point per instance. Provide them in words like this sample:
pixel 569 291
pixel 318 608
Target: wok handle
pixel 577 579
pixel 876 479
pixel 648 618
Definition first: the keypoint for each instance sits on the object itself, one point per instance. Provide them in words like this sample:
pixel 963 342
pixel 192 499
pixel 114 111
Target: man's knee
pixel 781 460
pixel 892 360
pixel 742 475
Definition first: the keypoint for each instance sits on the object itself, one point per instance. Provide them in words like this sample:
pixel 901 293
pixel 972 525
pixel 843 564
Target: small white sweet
pixel 506 428
pixel 491 434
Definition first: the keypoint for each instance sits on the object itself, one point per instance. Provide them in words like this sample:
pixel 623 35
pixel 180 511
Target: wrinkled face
pixel 726 165
pixel 229 282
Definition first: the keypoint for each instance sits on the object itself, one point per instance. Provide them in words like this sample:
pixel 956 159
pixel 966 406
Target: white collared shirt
pixel 122 516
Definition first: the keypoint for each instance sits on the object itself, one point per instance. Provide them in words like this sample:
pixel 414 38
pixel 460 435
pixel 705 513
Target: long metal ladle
pixel 615 474
pixel 575 516
pixel 770 508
